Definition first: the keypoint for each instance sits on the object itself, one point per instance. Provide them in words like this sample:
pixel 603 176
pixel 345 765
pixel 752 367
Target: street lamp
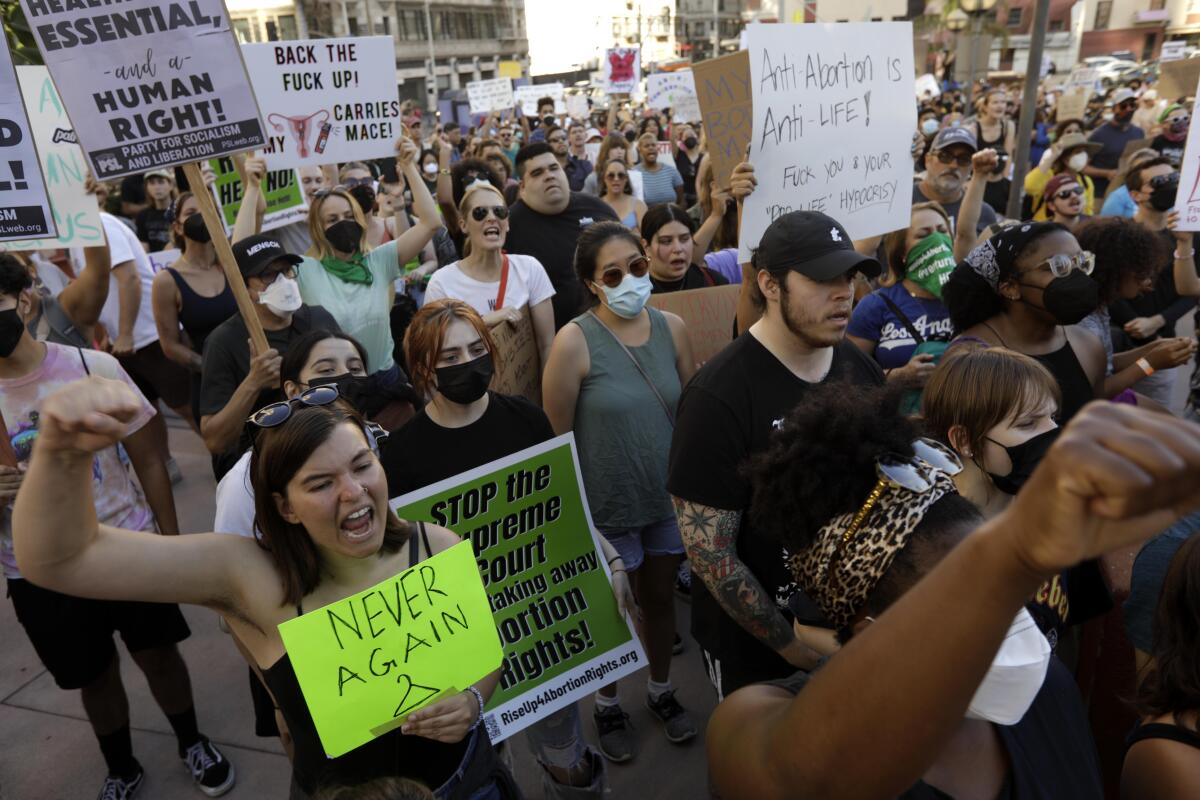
pixel 975 10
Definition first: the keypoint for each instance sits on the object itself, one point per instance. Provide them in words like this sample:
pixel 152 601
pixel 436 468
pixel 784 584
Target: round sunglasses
pixel 638 266
pixel 479 213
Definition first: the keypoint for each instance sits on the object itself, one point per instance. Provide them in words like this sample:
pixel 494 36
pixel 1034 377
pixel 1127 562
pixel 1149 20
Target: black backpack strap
pixel 904 320
pixel 83 360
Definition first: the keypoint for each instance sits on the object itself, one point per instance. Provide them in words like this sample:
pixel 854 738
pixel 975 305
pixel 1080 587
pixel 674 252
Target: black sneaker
pixel 677 723
pixel 116 788
pixel 614 731
pixel 683 581
pixel 211 771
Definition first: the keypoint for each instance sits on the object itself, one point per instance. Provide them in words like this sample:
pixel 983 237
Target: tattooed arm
pixel 710 536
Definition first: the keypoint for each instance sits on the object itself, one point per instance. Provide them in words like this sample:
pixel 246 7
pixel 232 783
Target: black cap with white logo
pixel 255 253
pixel 813 244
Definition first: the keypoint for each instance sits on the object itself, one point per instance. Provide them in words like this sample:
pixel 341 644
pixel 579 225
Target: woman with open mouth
pixel 676 248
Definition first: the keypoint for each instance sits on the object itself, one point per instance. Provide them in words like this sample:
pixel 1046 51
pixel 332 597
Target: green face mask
pixel 930 263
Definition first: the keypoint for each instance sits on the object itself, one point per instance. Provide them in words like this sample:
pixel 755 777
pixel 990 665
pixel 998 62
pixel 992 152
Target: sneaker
pixel 683 581
pixel 615 733
pixel 173 471
pixel 115 788
pixel 211 772
pixel 677 645
pixel 677 723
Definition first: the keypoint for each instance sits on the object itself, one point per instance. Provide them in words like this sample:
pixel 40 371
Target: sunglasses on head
pixel 479 213
pixel 275 414
pixel 350 183
pixel 949 158
pixel 638 266
pixel 1066 194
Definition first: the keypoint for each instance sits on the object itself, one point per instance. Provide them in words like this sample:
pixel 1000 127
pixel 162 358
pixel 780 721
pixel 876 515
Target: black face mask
pixel 1070 299
pixel 367 393
pixel 630 135
pixel 465 383
pixel 344 235
pixel 1024 457
pixel 548 120
pixel 11 330
pixel 195 229
pixel 1163 190
pixel 691 142
pixel 365 197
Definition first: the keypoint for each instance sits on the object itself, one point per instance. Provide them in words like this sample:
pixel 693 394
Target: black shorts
pixel 264 707
pixel 73 636
pixel 158 376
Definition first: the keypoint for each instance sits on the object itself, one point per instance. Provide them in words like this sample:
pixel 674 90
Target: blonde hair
pixel 321 248
pixel 464 206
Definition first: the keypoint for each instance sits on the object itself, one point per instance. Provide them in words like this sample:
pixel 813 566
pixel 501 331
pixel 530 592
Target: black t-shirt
pixel 423 452
pixel 987 214
pixel 1168 149
pixel 727 414
pixel 696 277
pixel 1051 753
pixel 551 240
pixel 154 228
pixel 687 170
pixel 1162 299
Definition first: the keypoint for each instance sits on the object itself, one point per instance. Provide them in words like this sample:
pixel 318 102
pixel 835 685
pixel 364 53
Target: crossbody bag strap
pixel 640 369
pixel 503 284
pixel 904 320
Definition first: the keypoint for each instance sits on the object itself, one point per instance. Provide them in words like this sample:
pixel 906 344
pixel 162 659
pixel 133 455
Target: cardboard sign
pixel 927 86
pixel 832 126
pixel 723 91
pixel 527 518
pixel 528 95
pixel 1178 78
pixel 1187 197
pixel 24 206
pixel 622 68
pixel 1073 103
pixel 326 101
pixel 491 95
pixel 519 367
pixel 708 314
pixel 76 213
pixel 366 662
pixel 676 91
pixel 148 83
pixel 286 202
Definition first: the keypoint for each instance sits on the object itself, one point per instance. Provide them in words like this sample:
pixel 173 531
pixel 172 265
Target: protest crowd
pixel 926 486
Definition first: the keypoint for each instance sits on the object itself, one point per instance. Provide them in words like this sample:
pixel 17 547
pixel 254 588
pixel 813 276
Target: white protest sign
pixel 163 259
pixel 832 125
pixel 491 95
pixel 24 207
pixel 1187 198
pixel 1084 76
pixel 577 106
pixel 1173 50
pixel 622 69
pixel 528 96
pixel 147 83
pixel 326 101
pixel 676 91
pixel 76 213
pixel 927 86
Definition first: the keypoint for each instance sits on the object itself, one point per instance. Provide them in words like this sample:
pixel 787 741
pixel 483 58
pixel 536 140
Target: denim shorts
pixel 656 539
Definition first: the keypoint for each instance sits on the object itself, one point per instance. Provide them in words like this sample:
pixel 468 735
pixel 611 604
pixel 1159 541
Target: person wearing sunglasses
pixel 1113 136
pixel 498 285
pixel 1064 200
pixel 358 181
pixel 947 170
pixel 943 702
pixel 325 533
pixel 1174 121
pixel 614 377
pixel 1069 156
pixel 617 191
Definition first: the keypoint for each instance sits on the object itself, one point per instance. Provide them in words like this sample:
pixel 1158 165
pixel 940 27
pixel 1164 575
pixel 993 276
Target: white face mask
pixel 430 168
pixel 281 297
pixel 1016 674
pixel 1077 162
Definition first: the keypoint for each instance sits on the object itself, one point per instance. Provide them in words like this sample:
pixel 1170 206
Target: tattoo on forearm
pixel 710 536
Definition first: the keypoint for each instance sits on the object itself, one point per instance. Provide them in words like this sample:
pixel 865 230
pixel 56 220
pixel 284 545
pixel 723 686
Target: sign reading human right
pixel 833 123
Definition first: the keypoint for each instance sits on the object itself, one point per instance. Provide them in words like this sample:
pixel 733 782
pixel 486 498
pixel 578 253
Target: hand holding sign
pixel 406 152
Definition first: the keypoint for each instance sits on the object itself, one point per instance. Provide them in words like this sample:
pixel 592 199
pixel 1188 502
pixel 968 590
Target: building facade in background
pixel 697 20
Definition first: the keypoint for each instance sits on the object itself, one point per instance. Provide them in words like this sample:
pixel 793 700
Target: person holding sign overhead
pixel 326 534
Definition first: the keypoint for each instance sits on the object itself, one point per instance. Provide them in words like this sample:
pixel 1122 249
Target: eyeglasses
pixel 276 414
pixel 638 266
pixel 915 474
pixel 350 183
pixel 269 276
pixel 950 158
pixel 1060 265
pixel 1066 194
pixel 479 213
pixel 615 176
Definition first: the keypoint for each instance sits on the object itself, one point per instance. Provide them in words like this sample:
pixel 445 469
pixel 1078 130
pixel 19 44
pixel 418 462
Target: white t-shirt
pixel 528 285
pixel 123 245
pixel 235 500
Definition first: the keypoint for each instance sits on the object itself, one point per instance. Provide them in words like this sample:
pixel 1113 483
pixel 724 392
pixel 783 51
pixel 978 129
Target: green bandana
pixel 352 271
pixel 930 263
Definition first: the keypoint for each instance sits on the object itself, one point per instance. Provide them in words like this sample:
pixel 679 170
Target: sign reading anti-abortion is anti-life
pixel 24 207
pixel 326 101
pixel 147 83
pixel 833 123
pixel 527 518
pixel 1187 197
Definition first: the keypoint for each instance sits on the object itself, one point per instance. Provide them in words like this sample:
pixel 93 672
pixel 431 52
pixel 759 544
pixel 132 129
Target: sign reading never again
pixel 366 662
pixel 527 519
pixel 24 207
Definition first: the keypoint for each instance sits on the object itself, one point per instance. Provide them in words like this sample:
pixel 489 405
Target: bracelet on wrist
pixel 479 698
pixel 1144 364
pixel 1184 256
pixel 617 557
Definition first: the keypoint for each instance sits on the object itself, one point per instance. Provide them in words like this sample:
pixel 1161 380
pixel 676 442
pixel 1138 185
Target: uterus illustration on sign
pixel 301 129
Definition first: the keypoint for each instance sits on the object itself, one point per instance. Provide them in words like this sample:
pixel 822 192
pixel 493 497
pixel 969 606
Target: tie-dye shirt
pixel 119 501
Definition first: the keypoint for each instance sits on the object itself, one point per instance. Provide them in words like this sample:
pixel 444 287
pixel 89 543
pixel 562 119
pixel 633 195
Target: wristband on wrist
pixel 1183 257
pixel 479 697
pixel 1144 364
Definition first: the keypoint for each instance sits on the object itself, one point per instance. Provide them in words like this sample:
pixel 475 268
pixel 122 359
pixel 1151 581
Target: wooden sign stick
pixel 212 221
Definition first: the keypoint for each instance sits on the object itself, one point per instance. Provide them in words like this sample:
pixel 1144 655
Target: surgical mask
pixel 691 142
pixel 929 127
pixel 1070 299
pixel 465 383
pixel 344 236
pixel 1016 675
pixel 630 296
pixel 930 262
pixel 1024 458
pixel 282 296
pixel 1077 162
pixel 11 331
pixel 195 229
pixel 430 168
pixel 1163 190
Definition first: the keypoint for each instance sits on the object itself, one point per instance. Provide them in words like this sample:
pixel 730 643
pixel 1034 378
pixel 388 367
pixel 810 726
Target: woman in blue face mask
pixel 614 377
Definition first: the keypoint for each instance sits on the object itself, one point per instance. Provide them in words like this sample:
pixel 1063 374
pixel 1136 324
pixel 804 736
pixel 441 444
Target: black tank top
pixel 1162 730
pixel 391 755
pixel 1077 390
pixel 199 314
pixel 996 144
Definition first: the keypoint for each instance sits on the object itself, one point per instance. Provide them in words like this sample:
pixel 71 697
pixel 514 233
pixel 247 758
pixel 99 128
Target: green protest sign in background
pixel 285 200
pixel 526 517
pixel 366 662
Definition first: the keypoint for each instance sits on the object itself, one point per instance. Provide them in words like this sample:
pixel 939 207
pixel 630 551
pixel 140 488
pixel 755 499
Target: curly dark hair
pixel 1122 247
pixel 1173 685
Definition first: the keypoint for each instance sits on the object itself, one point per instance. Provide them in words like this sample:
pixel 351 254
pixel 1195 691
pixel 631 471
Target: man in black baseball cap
pixel 804 267
pixel 235 382
pixel 947 169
